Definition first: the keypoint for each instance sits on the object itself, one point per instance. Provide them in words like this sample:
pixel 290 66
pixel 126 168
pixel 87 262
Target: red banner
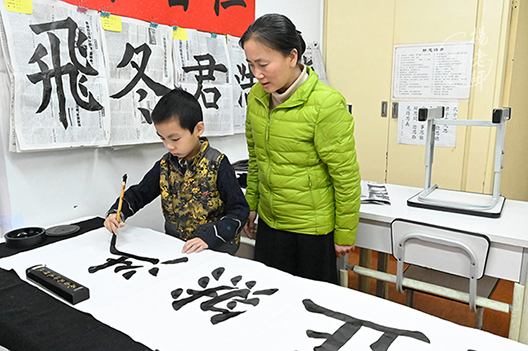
pixel 215 16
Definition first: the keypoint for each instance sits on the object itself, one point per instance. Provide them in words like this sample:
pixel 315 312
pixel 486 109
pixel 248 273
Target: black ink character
pixel 351 325
pixel 123 263
pixel 79 49
pixel 226 4
pixel 307 61
pixel 157 88
pixel 233 296
pixel 206 73
pixel 184 3
pixel 245 80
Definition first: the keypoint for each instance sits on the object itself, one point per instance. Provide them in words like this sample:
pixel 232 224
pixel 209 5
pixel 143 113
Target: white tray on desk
pixel 447 200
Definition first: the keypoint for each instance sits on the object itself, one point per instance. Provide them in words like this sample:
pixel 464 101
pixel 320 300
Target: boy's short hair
pixel 180 105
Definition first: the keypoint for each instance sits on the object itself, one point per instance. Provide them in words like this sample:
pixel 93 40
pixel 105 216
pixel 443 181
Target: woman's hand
pixel 342 250
pixel 111 223
pixel 251 227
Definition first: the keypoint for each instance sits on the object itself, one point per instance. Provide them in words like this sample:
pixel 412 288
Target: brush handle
pixel 120 203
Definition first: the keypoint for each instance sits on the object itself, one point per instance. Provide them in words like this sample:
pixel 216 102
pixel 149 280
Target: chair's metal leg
pixel 342 270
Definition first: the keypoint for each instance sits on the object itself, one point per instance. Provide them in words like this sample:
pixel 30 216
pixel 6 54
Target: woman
pixel 303 177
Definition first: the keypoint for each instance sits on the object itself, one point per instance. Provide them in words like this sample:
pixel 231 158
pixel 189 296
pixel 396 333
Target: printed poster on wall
pixel 413 132
pixel 439 71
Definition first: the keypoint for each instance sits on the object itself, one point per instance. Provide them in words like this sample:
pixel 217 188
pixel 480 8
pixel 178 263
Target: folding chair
pixel 442 261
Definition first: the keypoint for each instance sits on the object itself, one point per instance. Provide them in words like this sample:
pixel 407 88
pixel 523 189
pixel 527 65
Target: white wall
pixel 50 187
pixel 307 15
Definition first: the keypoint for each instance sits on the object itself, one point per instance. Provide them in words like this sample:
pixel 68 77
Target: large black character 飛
pixel 206 73
pixel 77 43
pixel 351 325
pixel 157 88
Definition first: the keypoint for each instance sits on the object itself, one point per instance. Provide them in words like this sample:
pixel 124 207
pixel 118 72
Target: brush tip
pixel 124 178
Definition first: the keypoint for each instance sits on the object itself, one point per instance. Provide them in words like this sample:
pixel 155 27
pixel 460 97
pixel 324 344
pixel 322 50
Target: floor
pixel 493 321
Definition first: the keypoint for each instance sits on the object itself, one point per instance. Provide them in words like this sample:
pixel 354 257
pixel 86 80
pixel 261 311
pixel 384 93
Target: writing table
pixel 217 301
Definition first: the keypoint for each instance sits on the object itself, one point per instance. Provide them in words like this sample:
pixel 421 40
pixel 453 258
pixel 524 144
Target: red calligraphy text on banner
pixel 215 16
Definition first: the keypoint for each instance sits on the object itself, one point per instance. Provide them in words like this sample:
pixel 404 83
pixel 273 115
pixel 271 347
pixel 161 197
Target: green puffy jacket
pixel 303 174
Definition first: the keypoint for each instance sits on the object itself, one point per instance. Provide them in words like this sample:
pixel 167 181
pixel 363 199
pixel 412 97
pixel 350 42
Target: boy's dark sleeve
pixel 139 195
pixel 237 209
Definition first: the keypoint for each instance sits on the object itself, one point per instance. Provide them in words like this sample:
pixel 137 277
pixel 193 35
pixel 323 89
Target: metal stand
pixel 462 202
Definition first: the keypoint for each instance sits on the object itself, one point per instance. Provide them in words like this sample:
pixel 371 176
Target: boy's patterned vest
pixel 191 199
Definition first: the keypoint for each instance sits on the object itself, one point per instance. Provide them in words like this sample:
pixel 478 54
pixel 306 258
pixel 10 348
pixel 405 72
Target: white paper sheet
pixel 312 57
pixel 140 71
pixel 432 71
pixel 59 85
pixel 202 68
pixel 142 306
pixel 413 132
pixel 242 80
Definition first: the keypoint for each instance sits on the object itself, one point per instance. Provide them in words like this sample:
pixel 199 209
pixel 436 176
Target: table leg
pixel 523 330
pixel 516 312
pixel 382 288
pixel 365 257
pixel 519 310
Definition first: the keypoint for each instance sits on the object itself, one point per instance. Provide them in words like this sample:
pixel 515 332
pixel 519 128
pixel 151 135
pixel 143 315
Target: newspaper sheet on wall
pixel 59 86
pixel 74 84
pixel 440 71
pixel 242 80
pixel 413 132
pixel 313 58
pixel 7 70
pixel 202 68
pixel 140 71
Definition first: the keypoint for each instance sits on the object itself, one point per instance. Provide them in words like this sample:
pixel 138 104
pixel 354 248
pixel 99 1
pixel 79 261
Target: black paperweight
pixel 62 286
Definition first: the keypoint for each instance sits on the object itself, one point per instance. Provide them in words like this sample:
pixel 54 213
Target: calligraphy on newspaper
pixel 202 68
pixel 59 91
pixel 140 73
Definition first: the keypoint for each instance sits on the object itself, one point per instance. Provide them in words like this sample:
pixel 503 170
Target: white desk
pixel 508 256
pixel 142 307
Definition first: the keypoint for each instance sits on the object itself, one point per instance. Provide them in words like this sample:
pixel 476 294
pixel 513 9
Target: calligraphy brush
pixel 121 199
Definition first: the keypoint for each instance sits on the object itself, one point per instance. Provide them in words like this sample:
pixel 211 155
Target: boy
pixel 200 196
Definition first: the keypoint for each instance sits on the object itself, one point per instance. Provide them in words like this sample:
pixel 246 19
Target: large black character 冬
pixel 78 44
pixel 157 88
pixel 234 296
pixel 206 73
pixel 351 325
